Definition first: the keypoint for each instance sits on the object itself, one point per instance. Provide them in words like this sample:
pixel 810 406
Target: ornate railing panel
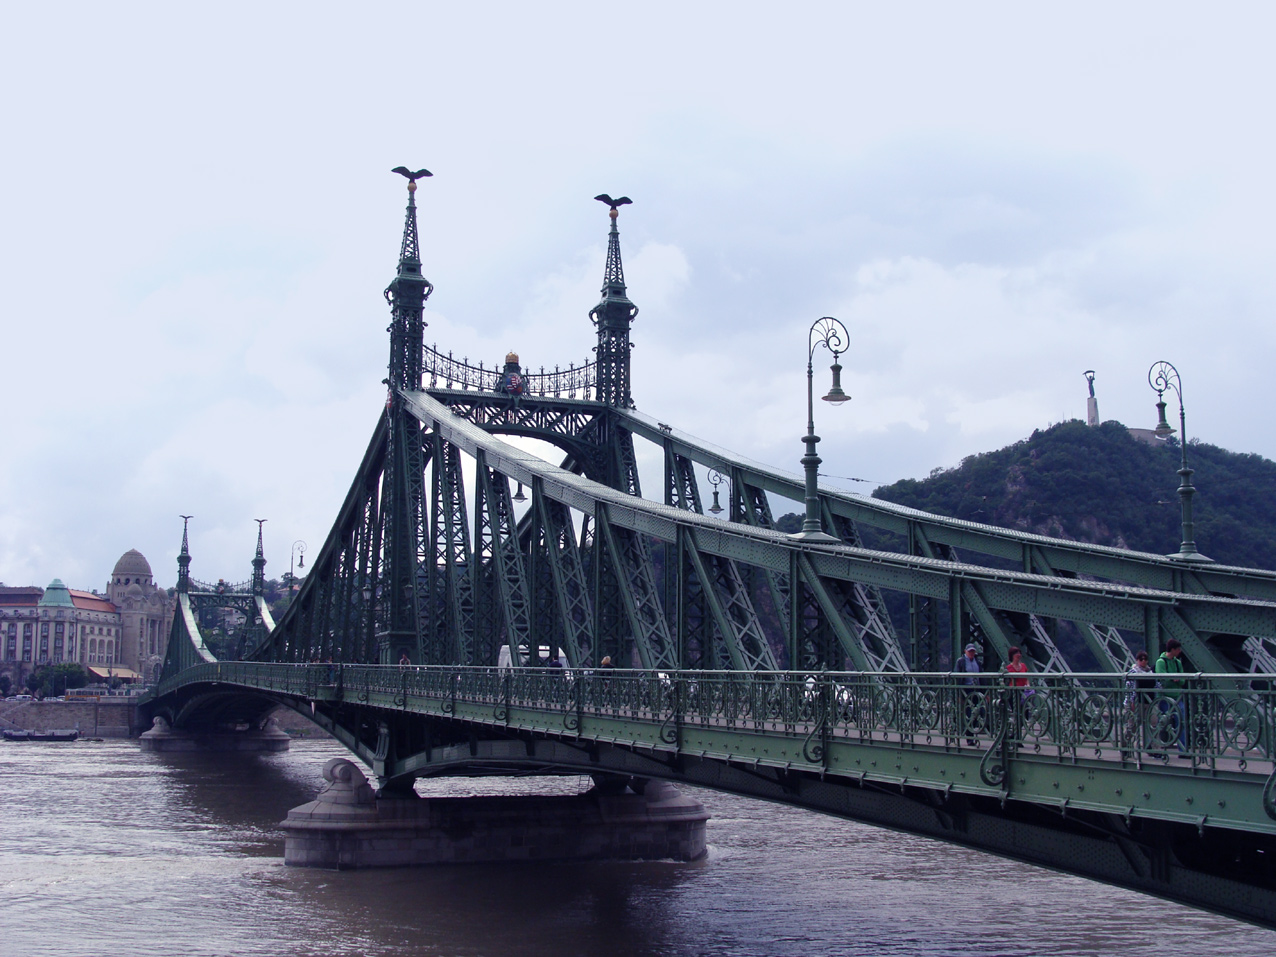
pixel 1210 720
pixel 445 372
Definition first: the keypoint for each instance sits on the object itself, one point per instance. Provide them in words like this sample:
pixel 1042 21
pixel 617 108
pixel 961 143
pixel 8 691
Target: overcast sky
pixel 197 221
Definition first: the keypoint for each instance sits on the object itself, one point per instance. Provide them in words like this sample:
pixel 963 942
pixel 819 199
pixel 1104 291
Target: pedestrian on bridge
pixel 1139 682
pixel 968 667
pixel 1016 671
pixel 1170 663
pixel 1016 667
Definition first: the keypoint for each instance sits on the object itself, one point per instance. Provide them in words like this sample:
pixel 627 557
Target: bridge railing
pixel 1213 720
pixel 444 371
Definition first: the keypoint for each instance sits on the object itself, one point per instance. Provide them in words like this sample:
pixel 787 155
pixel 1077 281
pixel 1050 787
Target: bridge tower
pixel 403 491
pixel 613 316
pixel 184 559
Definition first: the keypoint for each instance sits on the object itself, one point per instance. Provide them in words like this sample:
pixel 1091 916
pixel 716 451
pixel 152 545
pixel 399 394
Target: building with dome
pixel 146 615
pixel 123 633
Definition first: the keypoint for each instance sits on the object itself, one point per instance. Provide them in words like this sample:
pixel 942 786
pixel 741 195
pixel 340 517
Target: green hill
pixel 1102 485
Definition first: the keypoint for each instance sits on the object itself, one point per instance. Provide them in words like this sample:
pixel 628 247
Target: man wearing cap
pixel 968 667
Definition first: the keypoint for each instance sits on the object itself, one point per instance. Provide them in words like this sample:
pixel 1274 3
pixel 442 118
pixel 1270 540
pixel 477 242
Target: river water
pixel 105 849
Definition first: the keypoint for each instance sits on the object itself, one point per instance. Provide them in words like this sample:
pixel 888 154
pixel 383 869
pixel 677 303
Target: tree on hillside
pixel 789 523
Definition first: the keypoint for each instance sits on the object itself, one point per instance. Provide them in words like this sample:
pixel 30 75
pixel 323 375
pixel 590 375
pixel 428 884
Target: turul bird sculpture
pixel 412 177
pixel 613 203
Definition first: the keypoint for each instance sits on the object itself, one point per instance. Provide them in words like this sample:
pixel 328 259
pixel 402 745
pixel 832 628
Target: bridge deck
pixel 1080 741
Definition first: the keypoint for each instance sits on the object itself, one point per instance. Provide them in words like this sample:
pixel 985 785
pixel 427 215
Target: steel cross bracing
pixel 451 583
pixel 609 581
pixel 497 543
pixel 1037 553
pixel 575 617
pixel 939 536
pixel 1124 607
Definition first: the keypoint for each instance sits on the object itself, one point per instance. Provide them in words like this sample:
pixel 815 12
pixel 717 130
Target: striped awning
pixel 114 671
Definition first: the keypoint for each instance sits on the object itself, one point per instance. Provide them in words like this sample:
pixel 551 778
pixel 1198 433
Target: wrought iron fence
pixel 1207 719
pixel 233 589
pixel 447 372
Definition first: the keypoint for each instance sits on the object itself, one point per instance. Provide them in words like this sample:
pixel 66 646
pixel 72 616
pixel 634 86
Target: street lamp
pixel 1164 376
pixel 715 479
pixel 832 335
pixel 298 553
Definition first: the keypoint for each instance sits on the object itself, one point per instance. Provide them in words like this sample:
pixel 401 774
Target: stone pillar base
pixel 161 737
pixel 349 827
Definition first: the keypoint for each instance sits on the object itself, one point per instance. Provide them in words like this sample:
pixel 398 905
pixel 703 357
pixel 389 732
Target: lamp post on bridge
pixel 298 553
pixel 832 335
pixel 716 478
pixel 1163 376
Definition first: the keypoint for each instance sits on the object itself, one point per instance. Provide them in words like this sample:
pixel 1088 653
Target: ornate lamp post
pixel 299 554
pixel 716 478
pixel 832 335
pixel 1163 376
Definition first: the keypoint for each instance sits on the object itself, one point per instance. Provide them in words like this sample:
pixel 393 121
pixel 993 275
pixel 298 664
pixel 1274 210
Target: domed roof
pixel 132 563
pixel 57 594
pixel 134 590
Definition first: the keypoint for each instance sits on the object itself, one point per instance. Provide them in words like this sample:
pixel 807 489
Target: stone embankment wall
pixel 113 718
pixel 103 718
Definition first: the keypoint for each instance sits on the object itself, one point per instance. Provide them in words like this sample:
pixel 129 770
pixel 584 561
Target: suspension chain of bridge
pixel 746 659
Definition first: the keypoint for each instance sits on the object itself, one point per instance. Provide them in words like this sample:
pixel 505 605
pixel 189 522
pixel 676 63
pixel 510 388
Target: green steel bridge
pixel 806 670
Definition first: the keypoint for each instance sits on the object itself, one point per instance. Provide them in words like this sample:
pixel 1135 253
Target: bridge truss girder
pixel 732 594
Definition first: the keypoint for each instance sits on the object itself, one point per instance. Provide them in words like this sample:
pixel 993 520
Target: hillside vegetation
pixel 1102 485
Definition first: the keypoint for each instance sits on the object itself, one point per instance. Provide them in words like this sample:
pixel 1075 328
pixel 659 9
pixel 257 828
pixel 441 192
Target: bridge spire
pixel 403 509
pixel 613 316
pixel 259 563
pixel 406 295
pixel 184 559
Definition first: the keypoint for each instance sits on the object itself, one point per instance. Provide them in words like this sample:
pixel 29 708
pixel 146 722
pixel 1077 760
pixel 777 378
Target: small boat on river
pixel 61 734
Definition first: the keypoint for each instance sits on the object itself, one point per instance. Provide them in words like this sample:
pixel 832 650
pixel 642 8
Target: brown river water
pixel 105 850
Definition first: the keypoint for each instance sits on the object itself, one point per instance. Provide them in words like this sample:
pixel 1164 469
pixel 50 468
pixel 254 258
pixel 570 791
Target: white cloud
pixel 190 273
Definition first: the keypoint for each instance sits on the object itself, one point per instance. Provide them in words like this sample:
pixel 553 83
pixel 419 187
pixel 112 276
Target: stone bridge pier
pixel 263 736
pixel 349 826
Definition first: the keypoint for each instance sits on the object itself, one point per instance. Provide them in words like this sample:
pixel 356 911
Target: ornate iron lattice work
pixel 446 372
pixel 499 545
pixel 453 558
pixel 570 585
